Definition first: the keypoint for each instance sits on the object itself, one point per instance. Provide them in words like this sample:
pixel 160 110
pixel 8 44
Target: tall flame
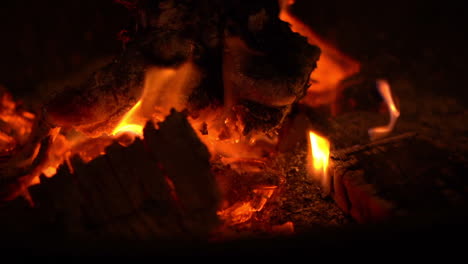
pixel 164 88
pixel 319 158
pixel 382 131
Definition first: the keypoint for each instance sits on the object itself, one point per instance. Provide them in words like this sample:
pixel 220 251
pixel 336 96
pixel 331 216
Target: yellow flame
pixel 382 131
pixel 127 124
pixel 320 154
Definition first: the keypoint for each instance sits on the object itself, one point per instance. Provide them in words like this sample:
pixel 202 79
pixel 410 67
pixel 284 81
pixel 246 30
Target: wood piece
pixel 134 192
pixel 244 52
pixel 259 64
pixel 185 161
pixel 401 176
pixel 97 104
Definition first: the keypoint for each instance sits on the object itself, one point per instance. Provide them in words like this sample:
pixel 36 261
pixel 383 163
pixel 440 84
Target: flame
pixel 382 131
pixel 319 158
pixel 333 67
pixel 164 88
pixel 126 124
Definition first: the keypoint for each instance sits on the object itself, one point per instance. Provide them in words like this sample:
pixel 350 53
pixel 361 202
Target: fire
pixel 382 131
pixel 242 211
pixel 126 124
pixel 319 158
pixel 333 66
pixel 15 124
pixel 164 88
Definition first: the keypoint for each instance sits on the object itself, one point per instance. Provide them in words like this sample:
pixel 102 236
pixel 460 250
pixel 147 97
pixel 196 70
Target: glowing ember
pixel 241 212
pixel 126 124
pixel 382 131
pixel 319 158
pixel 15 124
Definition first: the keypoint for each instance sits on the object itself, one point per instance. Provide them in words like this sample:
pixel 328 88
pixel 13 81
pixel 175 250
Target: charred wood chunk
pixel 159 187
pixel 403 176
pixel 185 160
pixel 242 48
pixel 174 31
pixel 97 104
pixel 264 61
pixel 260 118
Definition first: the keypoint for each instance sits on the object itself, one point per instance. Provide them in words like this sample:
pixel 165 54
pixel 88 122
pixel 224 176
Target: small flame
pixel 319 158
pixel 127 125
pixel 382 131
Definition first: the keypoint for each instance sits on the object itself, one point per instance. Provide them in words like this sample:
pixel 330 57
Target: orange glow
pixel 382 131
pixel 224 137
pixel 319 158
pixel 242 212
pixel 333 67
pixel 16 124
pixel 126 124
pixel 286 228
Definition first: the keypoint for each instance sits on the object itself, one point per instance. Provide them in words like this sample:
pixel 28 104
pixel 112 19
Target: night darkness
pixel 424 43
pixel 47 40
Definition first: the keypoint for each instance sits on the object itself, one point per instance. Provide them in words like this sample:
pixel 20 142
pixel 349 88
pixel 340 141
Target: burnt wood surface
pixel 244 51
pixel 96 104
pixel 160 187
pixel 398 177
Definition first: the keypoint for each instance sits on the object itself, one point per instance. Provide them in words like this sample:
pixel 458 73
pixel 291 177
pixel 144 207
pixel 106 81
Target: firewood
pixel 266 67
pixel 97 104
pixel 243 50
pixel 401 176
pixel 185 160
pixel 134 192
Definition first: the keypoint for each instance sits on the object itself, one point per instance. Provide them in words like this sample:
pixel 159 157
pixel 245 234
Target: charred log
pixel 402 176
pixel 98 104
pixel 244 52
pixel 259 63
pixel 131 193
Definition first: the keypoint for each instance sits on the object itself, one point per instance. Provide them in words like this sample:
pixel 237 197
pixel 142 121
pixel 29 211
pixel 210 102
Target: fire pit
pixel 221 121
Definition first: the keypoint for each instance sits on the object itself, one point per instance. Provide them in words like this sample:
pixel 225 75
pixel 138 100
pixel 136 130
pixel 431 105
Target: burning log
pixel 160 187
pixel 98 104
pixel 240 56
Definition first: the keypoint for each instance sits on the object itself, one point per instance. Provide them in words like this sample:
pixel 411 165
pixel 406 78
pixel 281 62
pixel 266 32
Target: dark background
pixel 423 41
pixel 48 39
pixel 420 41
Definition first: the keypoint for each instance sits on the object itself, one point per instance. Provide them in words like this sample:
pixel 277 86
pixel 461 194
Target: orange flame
pixel 382 131
pixel 164 88
pixel 319 158
pixel 127 124
pixel 333 67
